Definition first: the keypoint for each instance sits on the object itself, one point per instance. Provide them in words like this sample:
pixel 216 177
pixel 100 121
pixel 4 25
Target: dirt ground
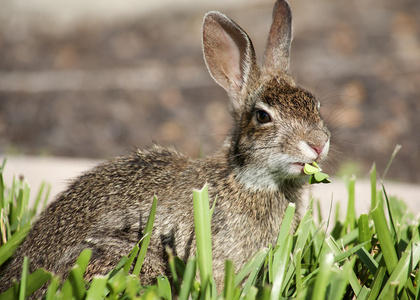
pixel 98 89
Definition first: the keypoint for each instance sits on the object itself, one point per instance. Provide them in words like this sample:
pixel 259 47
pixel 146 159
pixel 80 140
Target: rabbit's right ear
pixel 228 53
pixel 277 54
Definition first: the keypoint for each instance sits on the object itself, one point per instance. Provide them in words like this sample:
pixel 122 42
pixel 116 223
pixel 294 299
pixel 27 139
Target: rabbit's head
pixel 278 127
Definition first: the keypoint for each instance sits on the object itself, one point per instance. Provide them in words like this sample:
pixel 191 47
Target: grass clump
pixel 371 256
pixel 15 213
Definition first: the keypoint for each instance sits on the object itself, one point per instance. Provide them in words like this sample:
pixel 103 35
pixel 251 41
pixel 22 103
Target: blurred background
pixel 94 79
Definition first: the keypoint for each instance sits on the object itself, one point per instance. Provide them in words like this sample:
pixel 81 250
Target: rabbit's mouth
pixel 298 167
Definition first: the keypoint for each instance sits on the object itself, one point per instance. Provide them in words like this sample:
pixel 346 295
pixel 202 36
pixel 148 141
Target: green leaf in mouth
pixel 316 175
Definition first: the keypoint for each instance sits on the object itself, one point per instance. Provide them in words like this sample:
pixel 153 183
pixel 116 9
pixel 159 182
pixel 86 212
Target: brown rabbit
pixel 257 172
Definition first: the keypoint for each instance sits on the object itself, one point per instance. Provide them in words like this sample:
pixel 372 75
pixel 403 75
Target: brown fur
pixel 252 176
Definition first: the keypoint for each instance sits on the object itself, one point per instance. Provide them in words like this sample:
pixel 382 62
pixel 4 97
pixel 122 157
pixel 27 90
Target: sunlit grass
pixel 371 256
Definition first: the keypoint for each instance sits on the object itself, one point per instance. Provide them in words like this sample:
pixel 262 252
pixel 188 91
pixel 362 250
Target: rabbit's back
pixel 106 210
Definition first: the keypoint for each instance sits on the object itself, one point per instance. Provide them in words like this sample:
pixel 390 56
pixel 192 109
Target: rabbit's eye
pixel 262 116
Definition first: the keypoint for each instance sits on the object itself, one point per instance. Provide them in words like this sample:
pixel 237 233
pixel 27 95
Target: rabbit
pixel 257 172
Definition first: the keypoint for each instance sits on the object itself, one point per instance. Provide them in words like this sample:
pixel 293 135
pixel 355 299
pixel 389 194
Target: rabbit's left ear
pixel 277 53
pixel 228 53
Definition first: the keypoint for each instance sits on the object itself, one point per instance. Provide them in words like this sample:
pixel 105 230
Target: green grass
pixel 371 256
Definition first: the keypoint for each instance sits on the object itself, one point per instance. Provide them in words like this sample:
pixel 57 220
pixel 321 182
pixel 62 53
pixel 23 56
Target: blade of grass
pixel 203 234
pixel 22 288
pixel 151 293
pixel 47 195
pixel 229 289
pixel 188 279
pixel 117 284
pixel 131 259
pixel 337 212
pixel 52 289
pixel 322 238
pixel 339 281
pixel 133 287
pixel 390 292
pixel 2 186
pixel 38 199
pixel 76 274
pixel 179 267
pixel 7 250
pixel 323 277
pixel 317 236
pixel 97 288
pixel 332 244
pixel 255 262
pixel 303 231
pixel 252 294
pixel 146 238
pixel 298 270
pixel 286 224
pixel 354 282
pixel 283 259
pixel 118 267
pixel 367 260
pixel 418 286
pixel 391 216
pixel 379 277
pixel 284 233
pixel 10 198
pixel 350 221
pixel 283 236
pixel 212 208
pixel 213 288
pixel 77 282
pixel 19 204
pixel 364 293
pixel 13 218
pixel 397 148
pixel 250 281
pixel 319 210
pixel 302 234
pixel 405 266
pixel 414 242
pixel 346 254
pixel 373 192
pixel 34 281
pixel 83 259
pixel 4 224
pixel 350 237
pixel 364 231
pixel 270 265
pixel 385 239
pixel 164 287
pixel 25 215
pixel 44 188
pixel 171 261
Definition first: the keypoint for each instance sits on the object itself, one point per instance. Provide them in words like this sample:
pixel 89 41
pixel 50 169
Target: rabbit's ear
pixel 228 53
pixel 277 52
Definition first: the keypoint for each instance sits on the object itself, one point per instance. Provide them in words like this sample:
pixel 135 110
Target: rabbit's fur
pixel 255 175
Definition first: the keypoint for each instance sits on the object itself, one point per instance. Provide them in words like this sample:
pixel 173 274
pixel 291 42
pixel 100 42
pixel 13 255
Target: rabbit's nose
pixel 320 149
